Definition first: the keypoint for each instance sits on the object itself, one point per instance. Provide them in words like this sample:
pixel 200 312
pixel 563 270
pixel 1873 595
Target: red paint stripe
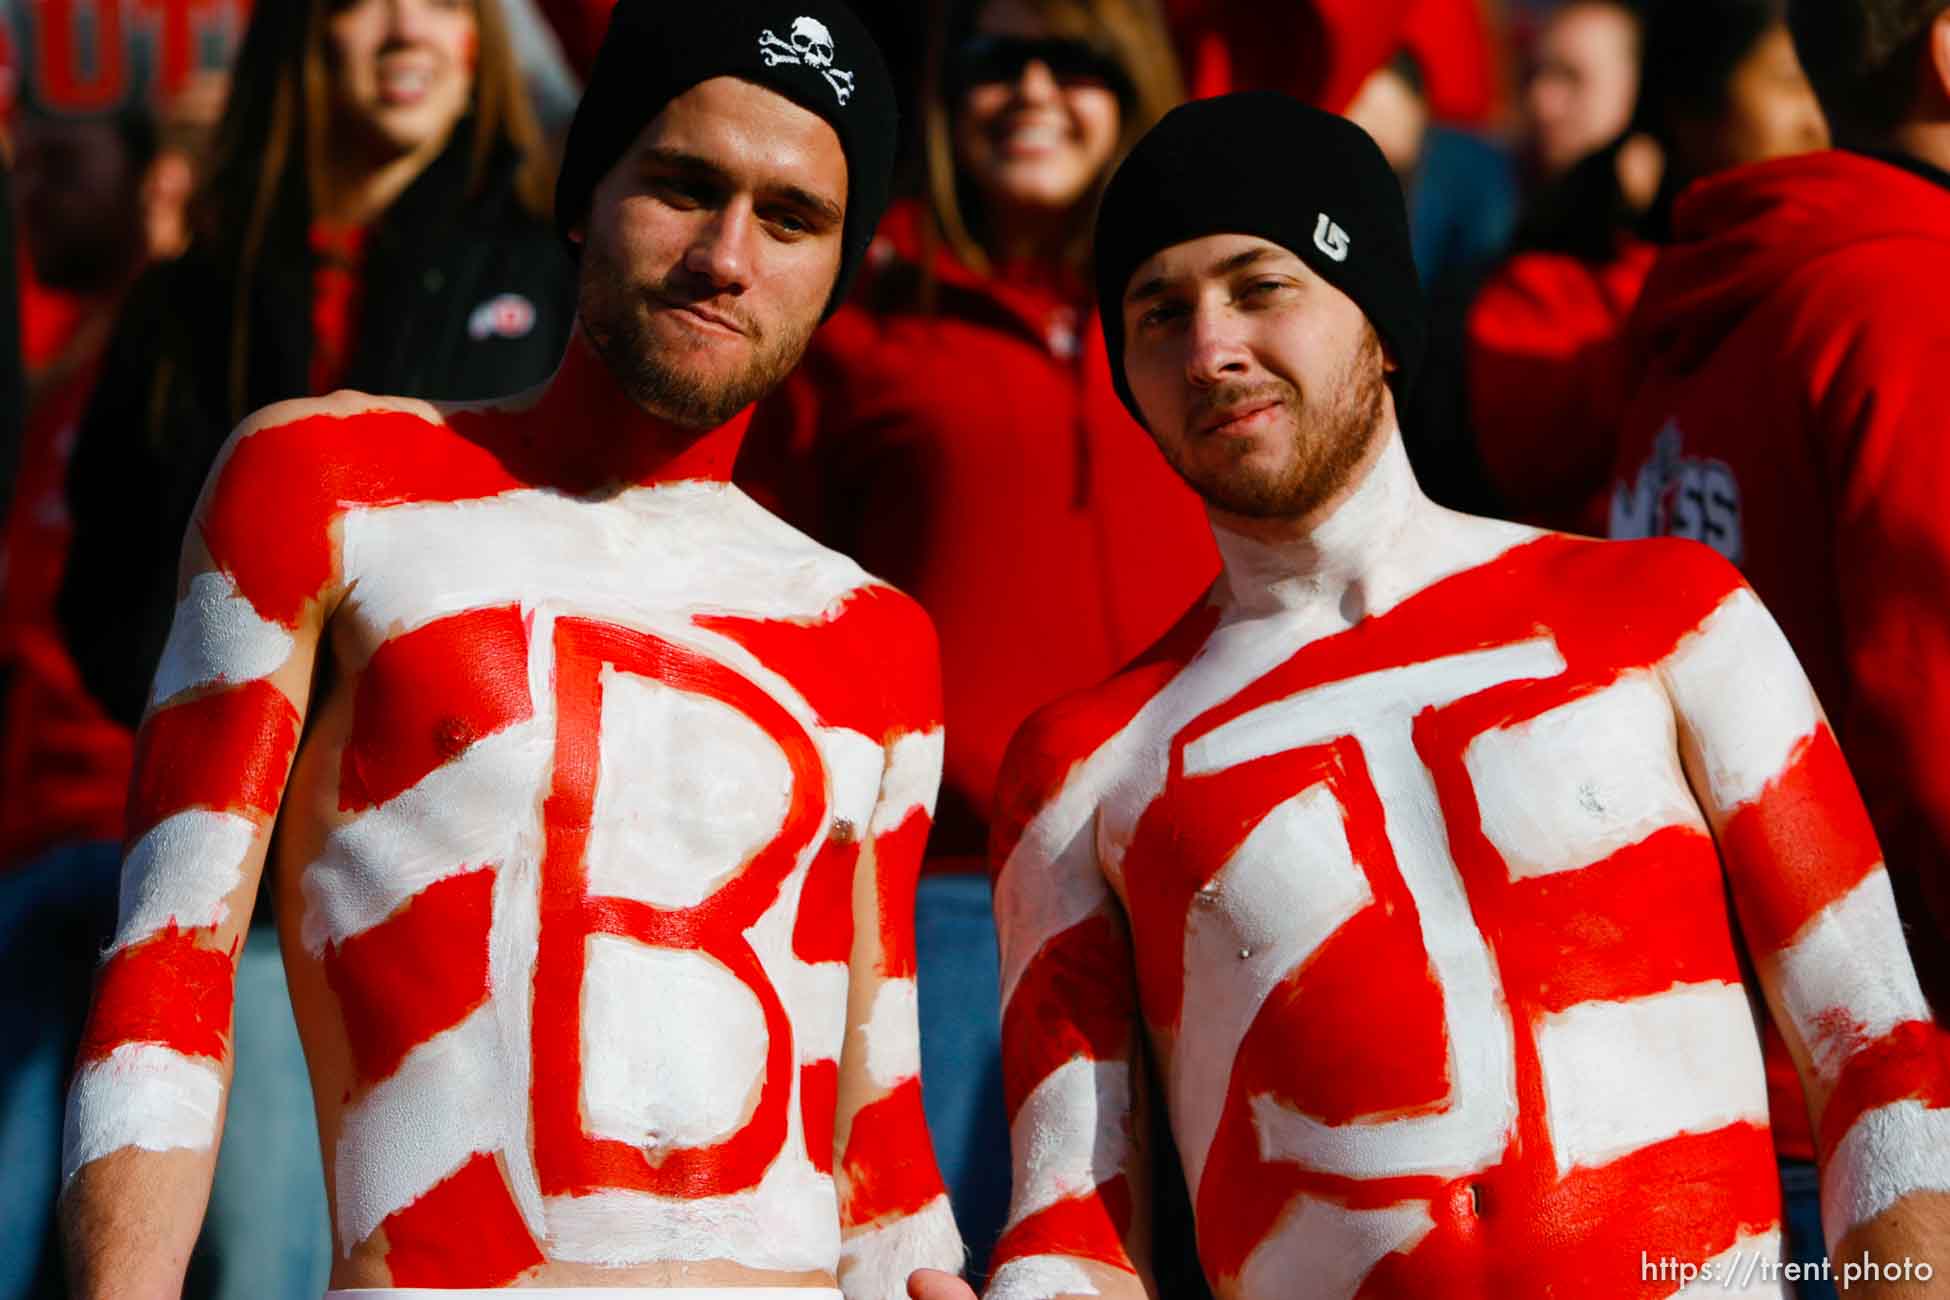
pixel 1911 1061
pixel 1075 999
pixel 229 752
pixel 1803 844
pixel 306 474
pixel 1091 1227
pixel 422 970
pixel 870 664
pixel 1646 918
pixel 1504 1234
pixel 888 1168
pixel 823 929
pixel 897 874
pixel 819 1090
pixel 413 712
pixel 167 990
pixel 464 1232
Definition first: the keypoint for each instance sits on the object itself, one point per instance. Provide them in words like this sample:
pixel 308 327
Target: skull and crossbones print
pixel 811 44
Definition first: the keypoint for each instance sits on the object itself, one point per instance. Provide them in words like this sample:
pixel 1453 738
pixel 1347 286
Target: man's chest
pixel 1370 888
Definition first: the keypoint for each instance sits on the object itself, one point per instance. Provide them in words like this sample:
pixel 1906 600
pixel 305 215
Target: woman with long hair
pixel 374 216
pixel 954 429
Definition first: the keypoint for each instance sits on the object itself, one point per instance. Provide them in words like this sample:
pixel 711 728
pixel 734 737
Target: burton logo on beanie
pixel 811 44
pixel 1330 239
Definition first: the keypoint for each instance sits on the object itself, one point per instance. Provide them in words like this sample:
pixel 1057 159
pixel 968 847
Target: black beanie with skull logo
pixel 816 53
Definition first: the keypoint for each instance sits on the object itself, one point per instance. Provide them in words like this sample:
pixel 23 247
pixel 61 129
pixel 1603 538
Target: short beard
pixel 1331 437
pixel 614 316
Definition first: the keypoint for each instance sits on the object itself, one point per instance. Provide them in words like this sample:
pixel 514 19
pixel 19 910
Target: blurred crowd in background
pixel 212 207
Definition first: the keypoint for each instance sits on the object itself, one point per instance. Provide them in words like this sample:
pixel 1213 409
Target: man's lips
pixel 1236 419
pixel 702 316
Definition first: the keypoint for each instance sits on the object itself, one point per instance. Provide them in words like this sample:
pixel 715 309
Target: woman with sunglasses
pixel 955 430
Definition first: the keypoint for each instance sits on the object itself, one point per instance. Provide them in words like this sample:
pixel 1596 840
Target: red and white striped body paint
pixel 568 855
pixel 1424 917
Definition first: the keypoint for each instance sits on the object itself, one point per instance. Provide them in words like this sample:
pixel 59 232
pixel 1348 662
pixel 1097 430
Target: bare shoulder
pixel 1052 747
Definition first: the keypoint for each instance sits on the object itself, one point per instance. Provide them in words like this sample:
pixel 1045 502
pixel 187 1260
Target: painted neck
pixel 592 434
pixel 1343 558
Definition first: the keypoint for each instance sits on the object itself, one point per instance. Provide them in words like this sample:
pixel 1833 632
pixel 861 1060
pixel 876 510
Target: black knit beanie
pixel 1267 165
pixel 814 52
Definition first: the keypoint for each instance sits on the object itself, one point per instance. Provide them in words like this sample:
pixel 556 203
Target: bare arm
pixel 145 1108
pixel 1069 1042
pixel 1815 906
pixel 894 1213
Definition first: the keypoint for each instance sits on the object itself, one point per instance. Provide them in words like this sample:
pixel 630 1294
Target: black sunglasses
pixel 988 60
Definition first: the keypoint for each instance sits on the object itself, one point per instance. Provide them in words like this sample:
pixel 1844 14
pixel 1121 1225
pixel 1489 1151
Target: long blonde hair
pixel 1131 32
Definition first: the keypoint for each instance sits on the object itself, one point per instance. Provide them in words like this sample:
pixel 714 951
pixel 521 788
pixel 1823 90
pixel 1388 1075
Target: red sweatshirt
pixel 1322 50
pixel 64 766
pixel 1791 414
pixel 1547 377
pixel 977 457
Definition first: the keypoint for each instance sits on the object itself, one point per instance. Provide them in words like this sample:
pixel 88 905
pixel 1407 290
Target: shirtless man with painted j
pixel 1410 849
pixel 598 793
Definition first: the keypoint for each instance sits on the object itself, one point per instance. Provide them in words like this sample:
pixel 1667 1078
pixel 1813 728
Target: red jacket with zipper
pixel 975 455
pixel 1790 413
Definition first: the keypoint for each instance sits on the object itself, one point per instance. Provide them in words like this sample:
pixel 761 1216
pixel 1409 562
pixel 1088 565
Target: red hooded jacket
pixel 1546 376
pixel 976 456
pixel 1791 414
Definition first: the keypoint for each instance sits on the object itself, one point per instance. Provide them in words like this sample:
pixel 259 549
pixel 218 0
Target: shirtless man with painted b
pixel 1409 851
pixel 599 793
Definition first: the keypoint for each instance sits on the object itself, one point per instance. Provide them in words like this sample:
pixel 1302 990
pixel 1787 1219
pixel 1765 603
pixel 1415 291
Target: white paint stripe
pixel 893 1034
pixel 688 789
pixel 1289 887
pixel 1887 1153
pixel 420 1125
pixel 1071 1134
pixel 854 765
pixel 471 813
pixel 673 1045
pixel 140 1095
pixel 912 780
pixel 1552 800
pixel 1742 695
pixel 1339 708
pixel 1039 1277
pixel 644 557
pixel 876 1262
pixel 1033 908
pixel 790 1221
pixel 216 636
pixel 1847 979
pixel 182 872
pixel 814 993
pixel 1331 1246
pixel 1619 1076
pixel 1750 1267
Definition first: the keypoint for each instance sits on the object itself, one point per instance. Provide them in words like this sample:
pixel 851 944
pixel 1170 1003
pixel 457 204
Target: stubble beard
pixel 615 317
pixel 1331 438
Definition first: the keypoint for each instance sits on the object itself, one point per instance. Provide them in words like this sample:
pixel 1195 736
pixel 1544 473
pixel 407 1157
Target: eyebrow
pixel 691 164
pixel 1157 284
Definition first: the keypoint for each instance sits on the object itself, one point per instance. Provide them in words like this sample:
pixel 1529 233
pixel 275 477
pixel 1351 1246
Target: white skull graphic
pixel 813 41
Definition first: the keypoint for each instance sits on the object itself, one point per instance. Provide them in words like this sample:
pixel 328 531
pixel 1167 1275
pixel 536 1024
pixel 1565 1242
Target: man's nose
pixel 1216 348
pixel 722 251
